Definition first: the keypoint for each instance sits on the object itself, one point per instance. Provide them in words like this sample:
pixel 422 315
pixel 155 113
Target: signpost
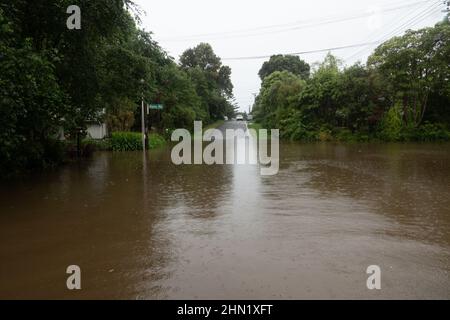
pixel 155 106
pixel 143 125
pixel 150 106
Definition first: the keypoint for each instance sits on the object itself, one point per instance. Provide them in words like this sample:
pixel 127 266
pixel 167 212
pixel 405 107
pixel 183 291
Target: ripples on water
pixel 162 231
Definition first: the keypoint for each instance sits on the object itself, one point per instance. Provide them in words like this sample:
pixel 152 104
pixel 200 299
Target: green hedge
pixel 126 141
pixel 156 141
pixel 97 145
pixel 132 141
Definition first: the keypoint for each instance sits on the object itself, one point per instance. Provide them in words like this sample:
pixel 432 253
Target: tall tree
pixel 277 98
pixel 212 79
pixel 413 66
pixel 290 63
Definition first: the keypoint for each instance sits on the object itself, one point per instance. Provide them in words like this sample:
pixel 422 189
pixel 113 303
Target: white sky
pixel 243 28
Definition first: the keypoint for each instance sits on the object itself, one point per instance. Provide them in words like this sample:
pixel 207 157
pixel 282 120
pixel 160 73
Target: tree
pixel 53 78
pixel 277 97
pixel 177 93
pixel 363 99
pixel 413 66
pixel 290 63
pixel 212 79
pixel 32 104
pixel 321 97
pixel 403 93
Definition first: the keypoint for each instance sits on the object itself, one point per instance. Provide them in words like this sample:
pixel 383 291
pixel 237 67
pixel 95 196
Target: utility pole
pixel 143 117
pixel 143 124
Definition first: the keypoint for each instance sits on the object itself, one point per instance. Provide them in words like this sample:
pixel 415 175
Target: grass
pixel 126 141
pixel 156 141
pixel 97 145
pixel 214 125
pixel 257 126
pixel 132 141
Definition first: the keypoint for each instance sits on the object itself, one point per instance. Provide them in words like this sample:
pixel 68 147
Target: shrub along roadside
pixel 126 141
pixel 257 126
pixel 120 141
pixel 156 141
pixel 214 125
pixel 132 141
pixel 427 132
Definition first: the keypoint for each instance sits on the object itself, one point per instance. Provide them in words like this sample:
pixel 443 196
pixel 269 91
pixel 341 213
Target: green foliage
pixel 413 66
pixel 32 104
pixel 277 98
pixel 156 141
pixel 122 119
pixel 211 80
pixel 425 133
pixel 344 134
pixel 322 96
pixel 391 126
pixel 50 78
pixel 182 104
pixel 97 145
pixel 295 128
pixel 132 141
pixel 53 79
pixel 404 84
pixel 324 134
pixel 126 141
pixel 290 63
pixel 433 132
pixel 214 125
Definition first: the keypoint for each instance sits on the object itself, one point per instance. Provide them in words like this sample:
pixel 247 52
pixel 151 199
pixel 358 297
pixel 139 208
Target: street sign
pixel 155 106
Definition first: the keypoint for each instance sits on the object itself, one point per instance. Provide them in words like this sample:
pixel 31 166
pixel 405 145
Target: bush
pixel 391 125
pixel 294 128
pixel 432 132
pixel 156 141
pixel 344 134
pixel 324 134
pixel 27 157
pixel 31 102
pixel 132 141
pixel 97 145
pixel 126 141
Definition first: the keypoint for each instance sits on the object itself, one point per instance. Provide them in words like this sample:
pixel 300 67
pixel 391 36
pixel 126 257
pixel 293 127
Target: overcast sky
pixel 249 28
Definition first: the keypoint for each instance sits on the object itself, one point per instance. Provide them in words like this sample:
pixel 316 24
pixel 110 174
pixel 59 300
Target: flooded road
pixel 196 231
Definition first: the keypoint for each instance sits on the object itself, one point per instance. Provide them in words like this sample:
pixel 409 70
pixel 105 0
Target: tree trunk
pixel 424 107
pixel 405 109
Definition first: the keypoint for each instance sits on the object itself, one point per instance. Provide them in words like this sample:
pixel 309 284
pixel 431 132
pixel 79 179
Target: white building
pixel 96 130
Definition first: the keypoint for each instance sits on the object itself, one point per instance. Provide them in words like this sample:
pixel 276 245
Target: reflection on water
pixel 166 231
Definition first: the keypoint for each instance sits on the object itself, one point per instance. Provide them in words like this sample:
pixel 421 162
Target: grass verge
pixel 257 126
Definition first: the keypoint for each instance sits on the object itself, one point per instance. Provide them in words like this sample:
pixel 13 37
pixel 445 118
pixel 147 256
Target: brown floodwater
pixel 149 229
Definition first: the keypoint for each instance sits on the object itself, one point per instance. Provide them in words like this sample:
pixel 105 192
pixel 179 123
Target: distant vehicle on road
pixel 239 118
pixel 225 118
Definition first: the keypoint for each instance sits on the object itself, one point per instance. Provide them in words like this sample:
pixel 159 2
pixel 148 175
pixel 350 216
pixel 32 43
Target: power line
pixel 414 20
pixel 286 27
pixel 379 34
pixel 382 38
pixel 429 11
pixel 305 52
